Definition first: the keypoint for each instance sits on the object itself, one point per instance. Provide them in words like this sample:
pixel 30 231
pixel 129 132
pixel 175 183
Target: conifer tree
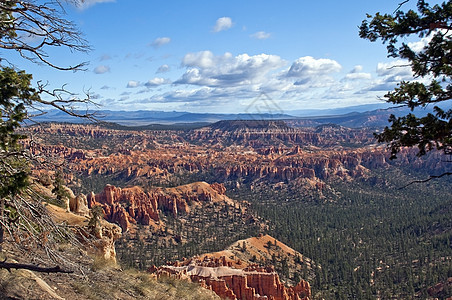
pixel 432 68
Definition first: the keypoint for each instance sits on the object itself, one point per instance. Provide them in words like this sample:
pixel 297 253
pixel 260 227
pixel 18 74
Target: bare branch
pixel 428 179
pixel 64 104
pixel 45 24
pixel 400 5
pixel 56 269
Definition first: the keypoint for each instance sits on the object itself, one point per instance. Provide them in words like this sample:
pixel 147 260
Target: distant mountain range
pixel 374 115
pixel 144 117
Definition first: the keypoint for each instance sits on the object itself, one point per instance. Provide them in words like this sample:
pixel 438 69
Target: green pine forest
pixel 375 240
pixel 369 238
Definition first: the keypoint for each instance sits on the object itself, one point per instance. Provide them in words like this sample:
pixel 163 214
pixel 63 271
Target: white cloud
pixel 381 86
pixel 133 84
pixel 88 3
pixel 230 83
pixel 389 75
pixel 163 69
pixel 357 69
pixel 419 45
pixel 204 59
pixel 206 69
pixel 313 72
pixel 261 35
pixel 223 23
pixel 394 68
pixel 206 95
pixel 358 76
pixel 158 42
pixel 309 66
pixel 101 69
pixel 156 82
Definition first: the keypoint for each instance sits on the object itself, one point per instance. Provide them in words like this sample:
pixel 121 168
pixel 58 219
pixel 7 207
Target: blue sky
pixel 219 56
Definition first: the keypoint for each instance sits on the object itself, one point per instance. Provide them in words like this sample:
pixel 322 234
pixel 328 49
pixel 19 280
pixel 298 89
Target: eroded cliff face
pixel 231 274
pixel 251 283
pixel 136 206
pixel 228 153
pixel 99 240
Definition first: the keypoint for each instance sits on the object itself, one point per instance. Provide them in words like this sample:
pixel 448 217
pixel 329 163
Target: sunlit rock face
pixel 135 206
pixel 250 283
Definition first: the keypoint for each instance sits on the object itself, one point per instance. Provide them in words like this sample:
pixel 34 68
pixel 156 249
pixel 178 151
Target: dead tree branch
pixel 30 28
pixel 428 179
pixel 56 269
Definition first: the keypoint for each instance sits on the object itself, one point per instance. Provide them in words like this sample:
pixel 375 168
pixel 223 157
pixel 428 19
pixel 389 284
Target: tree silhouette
pixel 432 63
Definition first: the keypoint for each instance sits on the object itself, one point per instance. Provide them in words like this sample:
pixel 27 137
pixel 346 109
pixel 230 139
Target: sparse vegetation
pixel 212 228
pixel 132 284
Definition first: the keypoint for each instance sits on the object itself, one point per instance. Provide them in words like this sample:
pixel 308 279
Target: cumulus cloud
pixel 133 84
pixel 101 69
pixel 389 75
pixel 223 23
pixel 394 68
pixel 307 70
pixel 158 42
pixel 357 74
pixel 204 59
pixel 233 81
pixel 260 35
pixel 156 82
pixel 88 3
pixel 418 46
pixel 309 66
pixel 163 69
pixel 357 69
pixel 203 95
pixel 206 69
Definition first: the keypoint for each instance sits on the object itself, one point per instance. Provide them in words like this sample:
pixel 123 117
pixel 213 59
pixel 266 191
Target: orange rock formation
pixel 251 283
pixel 231 275
pixel 135 206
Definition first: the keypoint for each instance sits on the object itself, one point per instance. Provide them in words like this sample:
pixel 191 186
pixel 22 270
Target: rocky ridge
pixel 266 250
pixel 233 278
pixel 133 205
pixel 227 154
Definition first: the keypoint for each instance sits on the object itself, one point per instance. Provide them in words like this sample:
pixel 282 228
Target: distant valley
pixel 359 116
